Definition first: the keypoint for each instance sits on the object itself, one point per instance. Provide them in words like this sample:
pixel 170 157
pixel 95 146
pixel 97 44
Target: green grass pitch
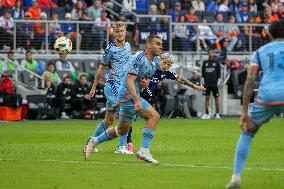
pixel 193 154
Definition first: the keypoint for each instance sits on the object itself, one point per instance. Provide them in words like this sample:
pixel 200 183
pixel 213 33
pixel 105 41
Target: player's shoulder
pixel 110 47
pixel 271 46
pixel 139 56
pixel 127 45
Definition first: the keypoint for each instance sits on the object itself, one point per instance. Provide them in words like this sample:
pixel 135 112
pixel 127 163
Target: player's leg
pixel 152 118
pixel 215 92
pixel 110 117
pixel 126 116
pixel 121 148
pixel 258 115
pixel 206 93
pixel 130 146
pixel 111 113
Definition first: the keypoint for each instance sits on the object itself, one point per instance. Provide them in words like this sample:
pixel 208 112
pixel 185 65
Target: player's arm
pixel 98 76
pixel 102 67
pixel 131 88
pixel 182 80
pixel 186 82
pixel 252 71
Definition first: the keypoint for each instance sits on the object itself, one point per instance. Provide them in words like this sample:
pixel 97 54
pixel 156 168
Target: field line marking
pixel 162 164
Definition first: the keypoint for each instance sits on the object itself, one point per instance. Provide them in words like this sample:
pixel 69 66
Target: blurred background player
pixel 64 93
pixel 211 72
pixel 115 57
pixel 166 61
pixel 270 98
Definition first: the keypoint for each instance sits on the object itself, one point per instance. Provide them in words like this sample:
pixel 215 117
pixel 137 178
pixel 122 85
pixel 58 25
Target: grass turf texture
pixel 193 154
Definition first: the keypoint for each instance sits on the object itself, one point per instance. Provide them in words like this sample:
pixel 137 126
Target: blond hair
pixel 118 24
pixel 167 57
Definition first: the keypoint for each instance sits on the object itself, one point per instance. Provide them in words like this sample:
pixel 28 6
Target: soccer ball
pixel 63 45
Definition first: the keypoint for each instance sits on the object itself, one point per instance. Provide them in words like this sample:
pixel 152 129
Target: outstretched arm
pixel 186 82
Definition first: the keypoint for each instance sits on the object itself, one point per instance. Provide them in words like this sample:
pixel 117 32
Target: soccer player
pixel 142 66
pixel 167 61
pixel 115 56
pixel 270 97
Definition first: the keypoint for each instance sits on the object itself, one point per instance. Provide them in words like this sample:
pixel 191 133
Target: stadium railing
pixel 17 75
pixel 88 42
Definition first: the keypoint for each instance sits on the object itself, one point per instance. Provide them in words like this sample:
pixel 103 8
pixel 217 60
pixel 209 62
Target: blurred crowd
pixel 91 36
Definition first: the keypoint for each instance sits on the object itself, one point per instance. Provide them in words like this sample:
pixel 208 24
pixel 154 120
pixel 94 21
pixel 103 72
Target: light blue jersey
pixel 115 58
pixel 140 66
pixel 270 60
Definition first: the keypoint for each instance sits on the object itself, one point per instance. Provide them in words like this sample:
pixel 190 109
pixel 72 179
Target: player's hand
pixel 93 91
pixel 138 106
pixel 200 88
pixel 244 121
pixel 87 96
pixel 144 83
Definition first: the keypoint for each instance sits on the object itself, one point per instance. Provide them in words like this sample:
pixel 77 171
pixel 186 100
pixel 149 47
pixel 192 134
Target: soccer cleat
pixel 122 150
pixel 89 148
pixel 205 116
pixel 217 116
pixel 89 138
pixel 234 184
pixel 146 157
pixel 130 147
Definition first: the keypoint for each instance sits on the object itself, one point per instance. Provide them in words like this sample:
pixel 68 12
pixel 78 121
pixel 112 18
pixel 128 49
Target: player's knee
pixel 109 121
pixel 155 116
pixel 252 129
pixel 122 130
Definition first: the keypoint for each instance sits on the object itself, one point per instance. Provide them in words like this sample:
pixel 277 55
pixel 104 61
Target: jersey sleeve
pixel 107 55
pixel 171 75
pixel 134 67
pixel 255 60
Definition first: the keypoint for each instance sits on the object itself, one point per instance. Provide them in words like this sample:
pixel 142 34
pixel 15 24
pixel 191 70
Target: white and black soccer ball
pixel 63 45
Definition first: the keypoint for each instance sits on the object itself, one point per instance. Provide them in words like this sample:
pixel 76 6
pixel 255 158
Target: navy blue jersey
pixel 156 78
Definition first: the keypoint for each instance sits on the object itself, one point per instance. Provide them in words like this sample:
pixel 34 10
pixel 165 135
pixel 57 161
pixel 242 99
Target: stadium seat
pixel 2 10
pixel 63 73
pixel 28 78
pixel 168 102
pixel 77 64
pixel 91 65
pixel 225 16
pixel 199 14
pixel 60 11
pixel 210 16
pixel 47 10
pixel 171 87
